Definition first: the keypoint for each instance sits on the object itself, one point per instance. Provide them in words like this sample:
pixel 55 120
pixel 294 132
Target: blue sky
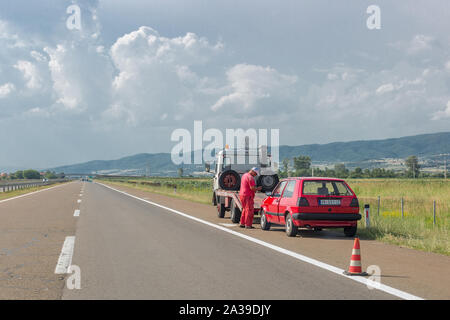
pixel 140 69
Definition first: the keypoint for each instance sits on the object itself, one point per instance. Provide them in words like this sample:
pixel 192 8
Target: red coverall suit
pixel 246 194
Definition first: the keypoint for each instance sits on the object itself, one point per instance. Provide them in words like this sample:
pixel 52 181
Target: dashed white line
pixel 65 258
pixel 79 201
pixel 338 271
pixel 76 213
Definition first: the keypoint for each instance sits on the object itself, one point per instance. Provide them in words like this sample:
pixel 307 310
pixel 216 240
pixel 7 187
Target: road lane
pixel 127 249
pixel 32 231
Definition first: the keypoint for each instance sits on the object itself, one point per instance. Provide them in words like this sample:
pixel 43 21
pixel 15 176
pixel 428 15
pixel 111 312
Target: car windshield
pixel 326 188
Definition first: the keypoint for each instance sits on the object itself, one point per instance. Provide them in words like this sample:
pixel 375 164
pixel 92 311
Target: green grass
pixel 192 189
pixel 415 230
pixel 15 193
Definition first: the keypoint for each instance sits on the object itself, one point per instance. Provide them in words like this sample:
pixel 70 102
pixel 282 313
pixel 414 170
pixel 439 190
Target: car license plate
pixel 330 202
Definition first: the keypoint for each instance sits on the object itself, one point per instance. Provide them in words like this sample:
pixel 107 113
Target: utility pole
pixel 148 169
pixel 445 166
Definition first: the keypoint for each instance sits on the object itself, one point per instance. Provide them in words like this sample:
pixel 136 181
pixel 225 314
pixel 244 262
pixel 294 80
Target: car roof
pixel 313 178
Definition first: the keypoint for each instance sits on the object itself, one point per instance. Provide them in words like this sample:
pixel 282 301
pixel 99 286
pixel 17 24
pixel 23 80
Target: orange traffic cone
pixel 355 268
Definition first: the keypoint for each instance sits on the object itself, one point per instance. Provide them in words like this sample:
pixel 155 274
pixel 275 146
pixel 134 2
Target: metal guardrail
pixel 6 186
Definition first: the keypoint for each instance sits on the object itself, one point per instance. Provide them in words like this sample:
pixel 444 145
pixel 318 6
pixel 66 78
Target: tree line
pixel 31 174
pixel 301 167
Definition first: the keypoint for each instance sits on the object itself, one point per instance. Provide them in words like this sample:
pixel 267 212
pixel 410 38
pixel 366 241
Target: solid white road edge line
pixel 65 258
pixel 34 192
pixel 76 213
pixel 338 271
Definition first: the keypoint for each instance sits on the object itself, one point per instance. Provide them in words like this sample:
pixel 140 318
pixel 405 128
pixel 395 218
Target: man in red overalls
pixel 247 194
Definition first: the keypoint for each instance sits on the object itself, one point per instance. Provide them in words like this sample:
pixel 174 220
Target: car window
pixel 325 188
pixel 289 190
pixel 277 191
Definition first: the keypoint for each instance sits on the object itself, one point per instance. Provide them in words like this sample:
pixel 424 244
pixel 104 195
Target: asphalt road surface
pixel 129 249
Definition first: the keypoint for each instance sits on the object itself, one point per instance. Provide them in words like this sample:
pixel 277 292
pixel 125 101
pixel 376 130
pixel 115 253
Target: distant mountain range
pixel 354 153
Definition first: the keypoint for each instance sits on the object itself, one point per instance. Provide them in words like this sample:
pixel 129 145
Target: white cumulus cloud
pixel 30 74
pixel 6 89
pixel 249 84
pixel 442 114
pixel 156 75
pixel 385 88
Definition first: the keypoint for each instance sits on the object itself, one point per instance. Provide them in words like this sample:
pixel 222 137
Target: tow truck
pixel 229 166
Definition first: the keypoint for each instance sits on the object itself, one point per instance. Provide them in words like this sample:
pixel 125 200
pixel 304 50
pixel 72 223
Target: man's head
pixel 254 171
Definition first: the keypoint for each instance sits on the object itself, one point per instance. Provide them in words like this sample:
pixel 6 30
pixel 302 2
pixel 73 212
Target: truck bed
pixel 259 197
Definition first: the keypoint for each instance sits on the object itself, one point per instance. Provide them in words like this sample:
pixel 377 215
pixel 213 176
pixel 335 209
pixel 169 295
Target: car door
pixel 286 200
pixel 273 201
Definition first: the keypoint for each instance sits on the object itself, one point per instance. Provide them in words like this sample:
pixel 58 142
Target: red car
pixel 312 203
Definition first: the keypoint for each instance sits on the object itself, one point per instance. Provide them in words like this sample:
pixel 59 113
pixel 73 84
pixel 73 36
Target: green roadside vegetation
pixel 15 193
pixel 192 189
pixel 416 229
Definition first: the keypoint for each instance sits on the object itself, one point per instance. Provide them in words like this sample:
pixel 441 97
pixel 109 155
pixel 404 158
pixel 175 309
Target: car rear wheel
pixel 291 229
pixel 265 225
pixel 350 231
pixel 235 212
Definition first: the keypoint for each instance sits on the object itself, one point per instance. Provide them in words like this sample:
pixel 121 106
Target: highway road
pixel 126 247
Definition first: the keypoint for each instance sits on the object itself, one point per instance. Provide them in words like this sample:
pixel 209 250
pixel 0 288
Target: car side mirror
pixel 207 167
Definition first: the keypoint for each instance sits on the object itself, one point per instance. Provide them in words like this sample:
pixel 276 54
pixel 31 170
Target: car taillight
pixel 354 203
pixel 302 202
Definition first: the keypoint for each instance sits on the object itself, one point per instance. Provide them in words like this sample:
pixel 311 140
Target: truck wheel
pixel 291 229
pixel 214 199
pixel 235 213
pixel 220 209
pixel 268 183
pixel 265 225
pixel 230 180
pixel 350 231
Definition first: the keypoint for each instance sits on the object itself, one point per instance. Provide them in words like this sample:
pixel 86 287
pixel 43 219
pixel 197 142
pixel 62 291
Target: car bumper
pixel 327 216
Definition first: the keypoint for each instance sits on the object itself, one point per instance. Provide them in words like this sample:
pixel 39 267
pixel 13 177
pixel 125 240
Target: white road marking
pixel 76 213
pixel 338 271
pixel 29 194
pixel 65 258
pixel 79 200
pixel 228 224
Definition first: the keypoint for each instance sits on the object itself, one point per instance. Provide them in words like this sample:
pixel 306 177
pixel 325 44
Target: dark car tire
pixel 268 183
pixel 265 225
pixel 235 213
pixel 230 180
pixel 291 229
pixel 221 210
pixel 350 231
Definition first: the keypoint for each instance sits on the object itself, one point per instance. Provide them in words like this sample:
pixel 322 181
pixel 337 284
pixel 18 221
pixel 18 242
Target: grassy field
pixel 415 230
pixel 15 193
pixel 192 189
